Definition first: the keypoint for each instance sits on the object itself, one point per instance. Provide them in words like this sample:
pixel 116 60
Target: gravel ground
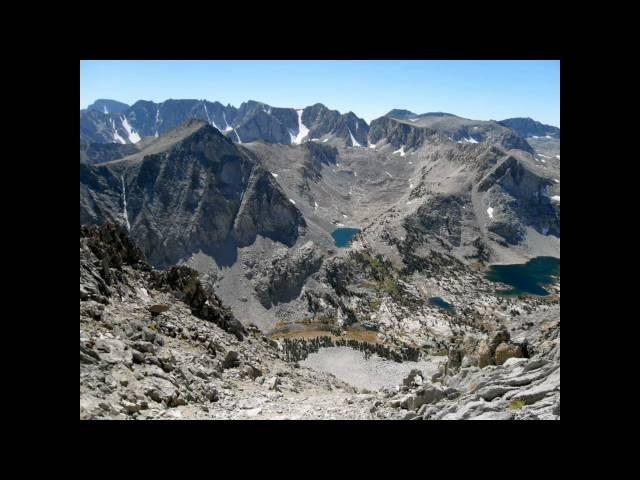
pixel 374 373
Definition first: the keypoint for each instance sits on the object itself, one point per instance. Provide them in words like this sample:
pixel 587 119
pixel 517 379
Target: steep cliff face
pixel 201 193
pixel 519 197
pixel 266 211
pixel 398 133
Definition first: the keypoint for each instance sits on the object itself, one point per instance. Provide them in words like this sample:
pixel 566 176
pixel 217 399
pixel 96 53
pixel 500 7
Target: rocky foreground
pixel 160 345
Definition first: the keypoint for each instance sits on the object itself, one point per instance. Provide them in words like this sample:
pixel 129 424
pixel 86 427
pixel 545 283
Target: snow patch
pixel 213 124
pixel 133 135
pixel 354 142
pixel 157 120
pixel 325 140
pixel 238 136
pixel 556 180
pixel 344 216
pixel 556 198
pixel 471 139
pixel 228 127
pixel 388 174
pixel 303 131
pixel 558 157
pixel 490 212
pixel 411 185
pixel 275 175
pixel 106 110
pixel 315 205
pixel 124 204
pixel 400 151
pixel 373 145
pixel 291 200
pixel 116 136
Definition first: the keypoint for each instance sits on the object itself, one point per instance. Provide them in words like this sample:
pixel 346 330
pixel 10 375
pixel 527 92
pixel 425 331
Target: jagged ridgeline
pixel 107 121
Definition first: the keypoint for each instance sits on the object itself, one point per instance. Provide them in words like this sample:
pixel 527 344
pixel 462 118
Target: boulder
pixel 484 354
pixel 158 309
pixel 251 372
pixel 415 377
pixel 272 383
pixel 144 347
pixel 505 351
pixel 424 395
pixel 231 360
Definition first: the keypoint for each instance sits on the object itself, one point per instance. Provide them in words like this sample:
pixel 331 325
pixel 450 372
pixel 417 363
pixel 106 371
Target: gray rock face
pixel 527 127
pixel 321 121
pixel 524 199
pixel 440 215
pixel 399 133
pixel 280 279
pixel 265 210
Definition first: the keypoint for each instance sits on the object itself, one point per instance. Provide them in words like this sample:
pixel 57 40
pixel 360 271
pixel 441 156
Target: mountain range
pixel 244 204
pixel 108 121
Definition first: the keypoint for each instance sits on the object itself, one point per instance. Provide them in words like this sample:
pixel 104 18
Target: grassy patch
pixel 516 404
pixel 374 304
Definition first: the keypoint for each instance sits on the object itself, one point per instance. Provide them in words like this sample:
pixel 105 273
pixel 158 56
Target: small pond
pixel 440 303
pixel 343 236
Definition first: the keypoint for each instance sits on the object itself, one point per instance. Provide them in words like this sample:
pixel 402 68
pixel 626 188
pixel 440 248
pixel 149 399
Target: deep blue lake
pixel 343 236
pixel 527 278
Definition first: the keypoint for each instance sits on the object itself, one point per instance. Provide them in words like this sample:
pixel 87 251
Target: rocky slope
pixel 93 153
pixel 160 345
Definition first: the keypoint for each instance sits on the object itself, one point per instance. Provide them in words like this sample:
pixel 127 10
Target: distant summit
pixel 108 106
pixel 528 127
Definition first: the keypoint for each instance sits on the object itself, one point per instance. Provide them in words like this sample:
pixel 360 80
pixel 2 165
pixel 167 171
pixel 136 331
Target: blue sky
pixel 480 90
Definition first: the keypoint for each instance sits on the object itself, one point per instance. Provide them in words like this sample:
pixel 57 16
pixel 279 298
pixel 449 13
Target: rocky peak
pixel 107 106
pixel 400 114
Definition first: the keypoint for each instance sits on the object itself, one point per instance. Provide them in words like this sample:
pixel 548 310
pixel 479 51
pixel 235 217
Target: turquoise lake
pixel 343 236
pixel 527 278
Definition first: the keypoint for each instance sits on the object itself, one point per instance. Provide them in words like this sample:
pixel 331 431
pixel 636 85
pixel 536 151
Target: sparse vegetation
pixel 516 404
